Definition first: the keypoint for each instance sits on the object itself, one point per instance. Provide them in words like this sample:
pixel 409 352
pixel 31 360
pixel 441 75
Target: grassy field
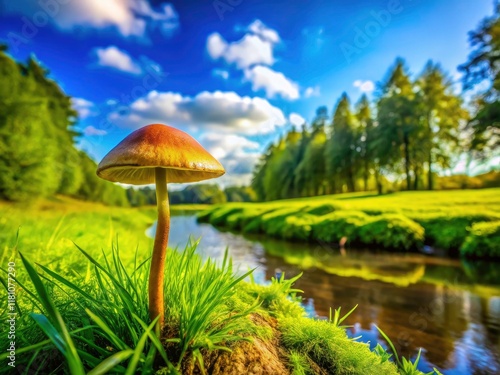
pixel 84 309
pixel 464 220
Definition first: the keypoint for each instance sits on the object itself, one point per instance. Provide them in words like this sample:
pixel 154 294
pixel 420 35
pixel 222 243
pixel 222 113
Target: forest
pixel 414 129
pixel 38 157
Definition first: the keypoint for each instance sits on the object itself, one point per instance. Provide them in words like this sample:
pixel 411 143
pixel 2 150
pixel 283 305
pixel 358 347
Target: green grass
pixel 400 221
pixel 83 308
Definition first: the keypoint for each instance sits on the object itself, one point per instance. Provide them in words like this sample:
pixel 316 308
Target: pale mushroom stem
pixel 156 275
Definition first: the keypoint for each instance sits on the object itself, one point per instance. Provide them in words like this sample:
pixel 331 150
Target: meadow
pixel 81 303
pixel 465 222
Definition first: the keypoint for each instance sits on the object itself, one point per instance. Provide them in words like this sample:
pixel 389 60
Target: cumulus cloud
pixel 312 91
pixel 254 53
pixel 296 119
pixel 90 131
pixel 364 86
pixel 257 27
pixel 128 17
pixel 272 82
pixel 224 74
pixel 113 57
pixel 82 106
pixel 236 153
pixel 225 112
pixel 248 51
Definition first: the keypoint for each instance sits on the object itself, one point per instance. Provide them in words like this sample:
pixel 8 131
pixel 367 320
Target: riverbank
pixel 465 222
pixel 98 295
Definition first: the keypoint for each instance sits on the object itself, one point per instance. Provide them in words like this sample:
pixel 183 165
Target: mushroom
pixel 157 154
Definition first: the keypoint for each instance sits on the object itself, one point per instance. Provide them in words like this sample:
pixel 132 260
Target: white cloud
pixel 113 57
pixel 223 145
pixel 312 91
pixel 82 106
pixel 90 131
pixel 296 119
pixel 225 112
pixel 364 86
pixel 249 50
pixel 128 17
pixel 237 154
pixel 272 82
pixel 257 27
pixel 224 74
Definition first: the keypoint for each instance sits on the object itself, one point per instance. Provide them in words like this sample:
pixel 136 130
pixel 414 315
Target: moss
pixel 299 226
pixel 448 230
pixel 483 241
pixel 334 226
pixel 393 231
pixel 274 222
pixel 330 348
pixel 322 209
pixel 445 217
pixel 218 217
pixel 299 364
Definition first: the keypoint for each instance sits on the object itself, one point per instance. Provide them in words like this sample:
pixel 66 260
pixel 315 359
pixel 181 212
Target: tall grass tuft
pixel 99 321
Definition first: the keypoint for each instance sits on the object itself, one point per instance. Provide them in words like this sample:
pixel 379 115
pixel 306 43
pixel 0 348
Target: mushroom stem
pixel 156 275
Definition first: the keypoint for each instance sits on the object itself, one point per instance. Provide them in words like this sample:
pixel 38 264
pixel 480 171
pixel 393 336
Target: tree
pixel 340 151
pixel 442 114
pixel 365 127
pixel 260 173
pixel 398 121
pixel 301 173
pixel 484 66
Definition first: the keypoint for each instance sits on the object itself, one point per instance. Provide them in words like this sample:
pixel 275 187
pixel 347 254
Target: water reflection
pixel 449 308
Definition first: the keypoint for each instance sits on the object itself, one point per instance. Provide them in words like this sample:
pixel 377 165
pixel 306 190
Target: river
pixel 447 307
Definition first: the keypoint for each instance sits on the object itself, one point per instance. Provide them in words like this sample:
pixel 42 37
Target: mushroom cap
pixel 133 160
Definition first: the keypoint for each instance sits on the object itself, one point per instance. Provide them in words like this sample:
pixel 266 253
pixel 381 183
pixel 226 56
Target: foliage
pixel 392 231
pixel 38 157
pixel 483 66
pixel 240 194
pixel 342 157
pixel 483 241
pixel 198 193
pixel 414 132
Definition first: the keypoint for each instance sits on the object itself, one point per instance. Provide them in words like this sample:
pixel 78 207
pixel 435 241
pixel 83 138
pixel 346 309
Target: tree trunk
pixel 379 184
pixel 430 185
pixel 417 178
pixel 407 161
pixel 350 180
pixel 429 176
pixel 366 175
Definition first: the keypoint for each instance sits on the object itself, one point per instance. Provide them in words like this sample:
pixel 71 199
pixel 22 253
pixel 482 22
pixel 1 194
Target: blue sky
pixel 233 73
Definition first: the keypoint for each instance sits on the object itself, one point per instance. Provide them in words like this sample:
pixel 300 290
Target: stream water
pixel 447 307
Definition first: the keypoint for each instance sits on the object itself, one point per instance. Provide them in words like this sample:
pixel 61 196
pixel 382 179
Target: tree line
pixel 412 129
pixel 38 157
pixel 197 194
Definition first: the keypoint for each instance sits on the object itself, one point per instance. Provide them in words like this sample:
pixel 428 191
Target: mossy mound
pixel 449 230
pixel 393 231
pixel 326 349
pixel 334 226
pixel 483 241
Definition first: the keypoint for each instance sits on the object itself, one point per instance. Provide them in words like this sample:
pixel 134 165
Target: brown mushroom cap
pixel 133 160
